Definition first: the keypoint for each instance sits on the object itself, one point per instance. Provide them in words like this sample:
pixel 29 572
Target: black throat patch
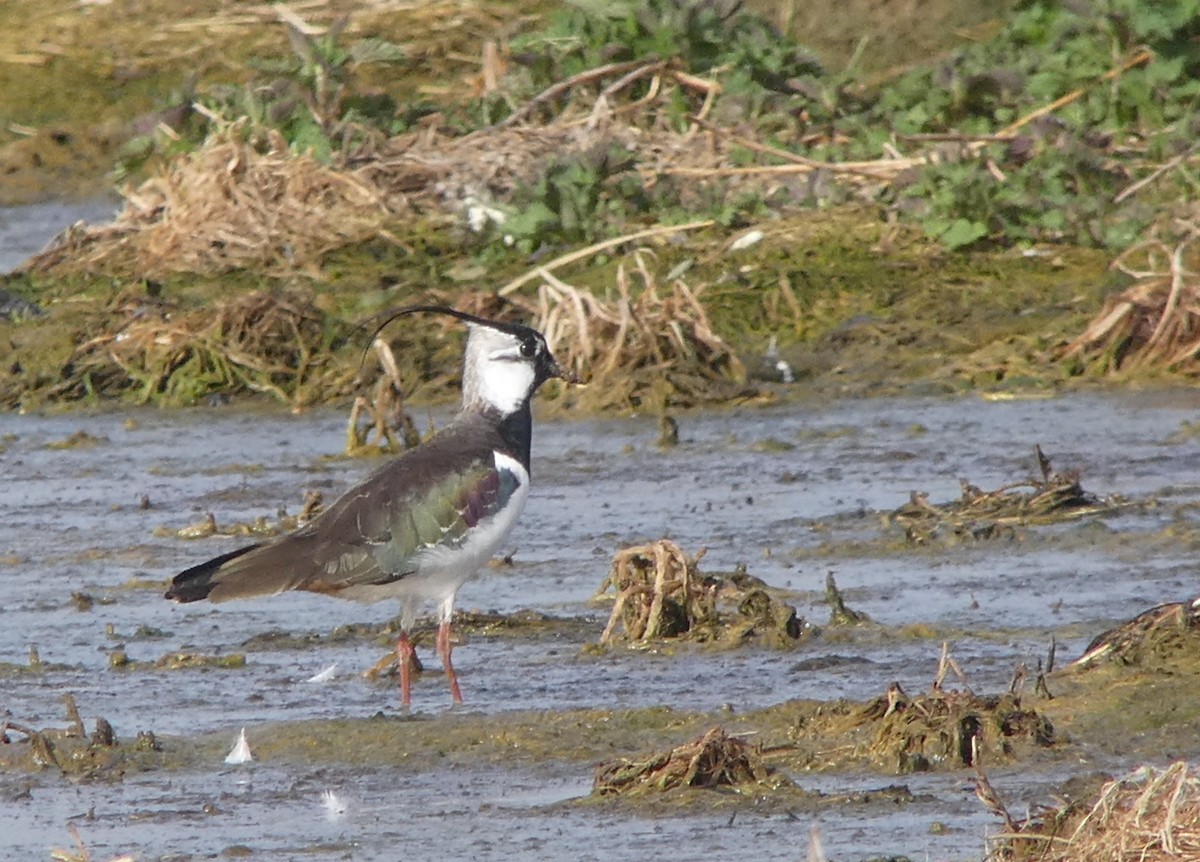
pixel 516 430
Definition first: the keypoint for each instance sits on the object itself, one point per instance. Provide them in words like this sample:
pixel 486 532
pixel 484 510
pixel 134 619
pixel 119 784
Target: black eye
pixel 528 349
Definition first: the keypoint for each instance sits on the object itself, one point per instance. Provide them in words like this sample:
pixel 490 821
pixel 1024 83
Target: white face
pixel 494 370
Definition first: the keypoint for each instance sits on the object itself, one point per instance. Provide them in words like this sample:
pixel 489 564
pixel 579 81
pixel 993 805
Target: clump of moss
pixel 951 729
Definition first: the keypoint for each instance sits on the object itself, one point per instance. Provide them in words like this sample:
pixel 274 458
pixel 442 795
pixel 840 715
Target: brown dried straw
pixel 1156 321
pixel 712 760
pixel 1147 816
pixel 240 201
pixel 659 592
pixel 645 347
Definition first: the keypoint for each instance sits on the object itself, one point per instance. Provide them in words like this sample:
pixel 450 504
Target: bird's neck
pixel 516 430
pixel 514 427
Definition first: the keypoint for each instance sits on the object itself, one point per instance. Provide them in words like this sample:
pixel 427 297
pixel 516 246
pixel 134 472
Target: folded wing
pixel 375 534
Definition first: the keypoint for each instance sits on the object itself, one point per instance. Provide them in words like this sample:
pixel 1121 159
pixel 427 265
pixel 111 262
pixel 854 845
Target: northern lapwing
pixel 423 524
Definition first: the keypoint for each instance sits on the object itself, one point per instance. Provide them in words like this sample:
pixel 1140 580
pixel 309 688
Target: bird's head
pixel 504 364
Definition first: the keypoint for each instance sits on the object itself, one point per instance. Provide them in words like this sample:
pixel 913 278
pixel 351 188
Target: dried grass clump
pixel 1147 816
pixel 1154 323
pixel 978 514
pixel 952 729
pixel 712 760
pixel 243 199
pixel 265 342
pixel 652 347
pixel 388 428
pixel 240 201
pixel 661 594
pixel 1158 633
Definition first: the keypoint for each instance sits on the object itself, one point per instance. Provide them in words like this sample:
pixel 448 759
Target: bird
pixel 425 522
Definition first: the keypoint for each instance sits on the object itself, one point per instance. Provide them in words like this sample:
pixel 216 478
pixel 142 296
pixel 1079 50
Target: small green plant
pixel 325 74
pixel 1122 79
pixel 574 199
pixel 700 36
pixel 309 97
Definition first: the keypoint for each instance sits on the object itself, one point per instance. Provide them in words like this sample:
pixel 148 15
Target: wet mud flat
pixel 90 534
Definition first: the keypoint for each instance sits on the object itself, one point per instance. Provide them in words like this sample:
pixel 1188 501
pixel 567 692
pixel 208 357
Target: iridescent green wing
pixel 376 537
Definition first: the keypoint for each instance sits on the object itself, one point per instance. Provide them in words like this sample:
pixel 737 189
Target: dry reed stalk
pixel 1156 321
pixel 1146 816
pixel 643 346
pixel 649 579
pixel 584 253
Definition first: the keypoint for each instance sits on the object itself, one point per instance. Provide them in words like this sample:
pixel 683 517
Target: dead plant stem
pixel 580 254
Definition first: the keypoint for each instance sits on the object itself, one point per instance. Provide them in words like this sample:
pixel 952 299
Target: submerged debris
pixel 978 514
pixel 68 749
pixel 661 594
pixel 119 660
pixel 77 440
pixel 712 760
pixel 1148 816
pixel 1156 633
pixel 207 527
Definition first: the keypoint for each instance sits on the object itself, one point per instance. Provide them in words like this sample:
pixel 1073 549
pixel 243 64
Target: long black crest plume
pixel 389 316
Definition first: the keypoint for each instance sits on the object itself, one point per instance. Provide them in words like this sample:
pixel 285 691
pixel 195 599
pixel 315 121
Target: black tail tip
pixel 194 584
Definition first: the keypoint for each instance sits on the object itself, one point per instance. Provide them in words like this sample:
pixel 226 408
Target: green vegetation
pixel 704 38
pixel 346 173
pixel 1125 79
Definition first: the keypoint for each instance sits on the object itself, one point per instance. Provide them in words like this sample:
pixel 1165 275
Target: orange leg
pixel 444 647
pixel 405 657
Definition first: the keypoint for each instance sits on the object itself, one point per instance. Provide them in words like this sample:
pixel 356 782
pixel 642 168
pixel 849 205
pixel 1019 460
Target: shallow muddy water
pixel 24 230
pixel 791 491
